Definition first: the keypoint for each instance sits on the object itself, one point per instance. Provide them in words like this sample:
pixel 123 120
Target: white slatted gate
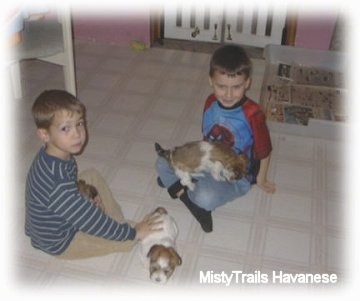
pixel 246 25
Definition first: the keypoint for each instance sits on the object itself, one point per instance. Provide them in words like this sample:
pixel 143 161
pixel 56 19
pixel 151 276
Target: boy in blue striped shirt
pixel 59 220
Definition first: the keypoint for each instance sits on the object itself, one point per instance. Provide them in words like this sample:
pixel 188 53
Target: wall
pixel 315 31
pixel 115 28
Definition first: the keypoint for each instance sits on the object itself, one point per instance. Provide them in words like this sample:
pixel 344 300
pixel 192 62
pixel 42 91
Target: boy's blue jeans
pixel 208 193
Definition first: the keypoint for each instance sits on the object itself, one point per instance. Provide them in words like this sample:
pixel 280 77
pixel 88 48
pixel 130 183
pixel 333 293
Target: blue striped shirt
pixel 55 210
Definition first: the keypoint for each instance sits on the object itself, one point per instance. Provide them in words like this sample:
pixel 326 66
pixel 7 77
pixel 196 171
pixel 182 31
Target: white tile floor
pixel 136 98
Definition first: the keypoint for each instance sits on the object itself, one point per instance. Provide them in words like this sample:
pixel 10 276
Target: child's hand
pixel 147 226
pixel 261 178
pixel 266 186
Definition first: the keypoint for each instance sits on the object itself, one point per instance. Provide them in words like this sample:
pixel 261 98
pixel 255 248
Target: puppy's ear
pixel 160 210
pixel 175 255
pixel 153 250
pixel 81 186
pixel 92 191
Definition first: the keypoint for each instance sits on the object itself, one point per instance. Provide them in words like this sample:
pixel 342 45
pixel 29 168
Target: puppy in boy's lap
pixel 195 158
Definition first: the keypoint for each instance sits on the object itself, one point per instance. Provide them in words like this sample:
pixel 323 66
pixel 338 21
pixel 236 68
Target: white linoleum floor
pixel 136 98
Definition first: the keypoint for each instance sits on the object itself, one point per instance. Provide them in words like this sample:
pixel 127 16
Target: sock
pixel 175 188
pixel 160 183
pixel 201 215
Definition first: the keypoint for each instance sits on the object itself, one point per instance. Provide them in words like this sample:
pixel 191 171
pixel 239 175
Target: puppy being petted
pixel 158 251
pixel 233 119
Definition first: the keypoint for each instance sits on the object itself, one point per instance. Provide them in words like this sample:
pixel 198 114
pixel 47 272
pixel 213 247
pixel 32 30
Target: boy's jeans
pixel 208 193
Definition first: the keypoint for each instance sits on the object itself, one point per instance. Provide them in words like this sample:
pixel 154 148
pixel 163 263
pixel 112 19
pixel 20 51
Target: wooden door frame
pixel 156 25
pixel 290 29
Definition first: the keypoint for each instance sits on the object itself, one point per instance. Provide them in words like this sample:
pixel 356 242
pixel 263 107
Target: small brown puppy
pixel 89 192
pixel 157 250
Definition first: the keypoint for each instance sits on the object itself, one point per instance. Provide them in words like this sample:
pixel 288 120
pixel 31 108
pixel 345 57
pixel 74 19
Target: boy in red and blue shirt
pixel 228 116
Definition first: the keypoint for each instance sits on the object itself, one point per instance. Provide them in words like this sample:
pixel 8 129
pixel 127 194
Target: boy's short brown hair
pixel 231 60
pixel 51 101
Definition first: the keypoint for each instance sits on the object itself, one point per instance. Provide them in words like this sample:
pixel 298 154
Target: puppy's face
pixel 238 168
pixel 86 190
pixel 163 261
pixel 236 173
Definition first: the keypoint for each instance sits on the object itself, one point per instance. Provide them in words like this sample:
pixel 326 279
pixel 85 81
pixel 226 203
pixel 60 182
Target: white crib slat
pixel 279 17
pixel 199 16
pixel 248 23
pixel 231 15
pixel 170 10
pixel 261 22
pixel 216 12
pixel 248 19
pixel 185 16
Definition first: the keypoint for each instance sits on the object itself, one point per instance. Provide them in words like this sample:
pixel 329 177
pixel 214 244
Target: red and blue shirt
pixel 242 127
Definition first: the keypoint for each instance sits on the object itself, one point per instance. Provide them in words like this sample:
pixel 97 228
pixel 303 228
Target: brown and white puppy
pixel 157 250
pixel 89 192
pixel 195 158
